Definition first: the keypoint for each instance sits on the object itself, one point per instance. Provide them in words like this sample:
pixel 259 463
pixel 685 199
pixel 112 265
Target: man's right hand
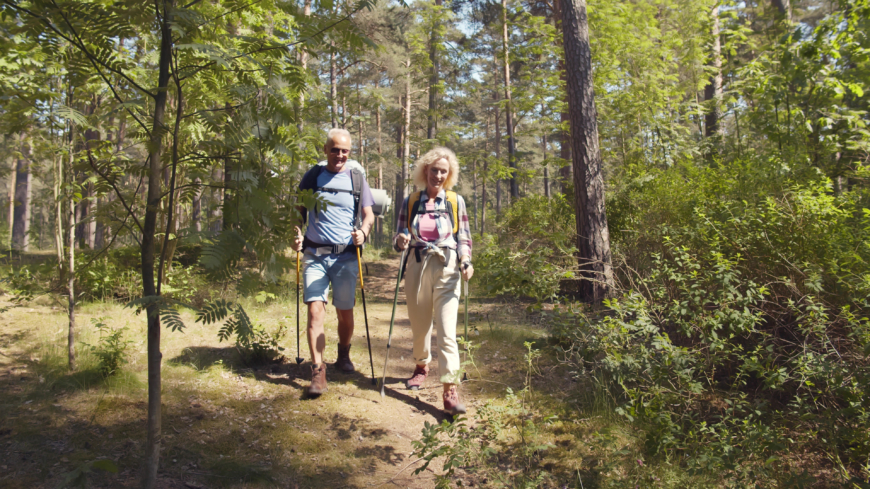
pixel 402 241
pixel 297 243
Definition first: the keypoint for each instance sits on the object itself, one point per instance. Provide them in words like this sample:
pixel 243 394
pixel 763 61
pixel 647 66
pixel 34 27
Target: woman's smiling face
pixel 437 173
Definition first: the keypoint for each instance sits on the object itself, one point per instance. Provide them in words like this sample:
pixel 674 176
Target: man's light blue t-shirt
pixel 334 224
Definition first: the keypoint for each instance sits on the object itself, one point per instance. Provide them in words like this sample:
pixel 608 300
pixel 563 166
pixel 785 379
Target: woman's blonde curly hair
pixel 432 156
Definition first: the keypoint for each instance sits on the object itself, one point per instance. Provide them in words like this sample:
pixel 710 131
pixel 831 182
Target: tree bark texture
pixel 23 190
pixel 509 110
pixel 406 151
pixel 196 207
pixel 149 230
pixel 71 245
pixel 431 120
pixel 333 88
pixel 497 142
pixel 546 167
pixel 713 90
pixel 593 237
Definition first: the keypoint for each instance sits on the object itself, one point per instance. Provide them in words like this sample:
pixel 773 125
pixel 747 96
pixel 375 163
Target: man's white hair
pixel 335 131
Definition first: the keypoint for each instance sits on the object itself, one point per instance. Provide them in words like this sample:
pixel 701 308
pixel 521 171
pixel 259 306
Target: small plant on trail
pixel 502 448
pixel 253 342
pixel 111 349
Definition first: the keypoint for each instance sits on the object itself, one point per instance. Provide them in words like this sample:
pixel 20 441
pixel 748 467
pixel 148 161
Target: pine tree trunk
pixel 196 207
pixel 509 110
pixel 23 190
pixel 713 90
pixel 152 450
pixel 564 118
pixel 783 7
pixel 406 151
pixel 593 238
pixel 497 142
pixel 546 167
pixel 333 88
pixel 303 62
pixel 431 120
pixel 71 244
pixel 485 177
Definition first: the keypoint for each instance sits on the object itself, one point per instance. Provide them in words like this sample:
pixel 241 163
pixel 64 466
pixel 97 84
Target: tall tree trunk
pixel 783 7
pixel 713 90
pixel 546 167
pixel 509 110
pixel 11 202
pixel 303 62
pixel 333 87
pixel 484 177
pixel 564 118
pixel 434 39
pixel 196 206
pixel 593 237
pixel 71 271
pixel 152 450
pixel 23 190
pixel 474 192
pixel 215 207
pixel 98 226
pixel 400 184
pixel 497 141
pixel 406 151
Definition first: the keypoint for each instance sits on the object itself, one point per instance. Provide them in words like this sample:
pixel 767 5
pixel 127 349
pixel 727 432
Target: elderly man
pixel 334 231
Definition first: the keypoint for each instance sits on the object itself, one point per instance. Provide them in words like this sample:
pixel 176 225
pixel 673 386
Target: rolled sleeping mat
pixel 382 202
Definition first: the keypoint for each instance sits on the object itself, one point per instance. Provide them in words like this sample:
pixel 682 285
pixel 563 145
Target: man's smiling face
pixel 337 152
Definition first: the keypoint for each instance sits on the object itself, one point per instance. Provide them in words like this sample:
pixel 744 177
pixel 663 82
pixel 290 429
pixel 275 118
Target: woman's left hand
pixel 467 271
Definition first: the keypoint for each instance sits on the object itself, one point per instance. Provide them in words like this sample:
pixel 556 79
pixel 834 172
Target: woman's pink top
pixel 428 228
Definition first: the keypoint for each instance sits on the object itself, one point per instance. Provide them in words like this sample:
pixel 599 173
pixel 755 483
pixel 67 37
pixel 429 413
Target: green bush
pixel 111 348
pixel 531 252
pixel 742 338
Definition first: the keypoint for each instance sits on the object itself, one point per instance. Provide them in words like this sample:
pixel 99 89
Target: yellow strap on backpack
pixel 452 201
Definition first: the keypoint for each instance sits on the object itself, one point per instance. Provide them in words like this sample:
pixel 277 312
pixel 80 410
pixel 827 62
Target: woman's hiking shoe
pixel 343 363
pixel 416 380
pixel 452 404
pixel 318 381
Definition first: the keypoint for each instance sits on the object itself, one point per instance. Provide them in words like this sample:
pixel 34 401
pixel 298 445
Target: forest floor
pixel 226 424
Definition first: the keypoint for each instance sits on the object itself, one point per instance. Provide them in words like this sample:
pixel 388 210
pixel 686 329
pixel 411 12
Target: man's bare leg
pixel 316 338
pixel 345 326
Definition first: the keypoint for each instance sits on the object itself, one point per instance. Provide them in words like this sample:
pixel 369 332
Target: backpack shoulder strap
pixel 453 203
pixel 413 200
pixel 356 182
pixel 309 180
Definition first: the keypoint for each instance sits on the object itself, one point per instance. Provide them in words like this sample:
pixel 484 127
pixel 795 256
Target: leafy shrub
pixel 111 348
pixel 745 339
pixel 504 433
pixel 531 251
pixel 253 342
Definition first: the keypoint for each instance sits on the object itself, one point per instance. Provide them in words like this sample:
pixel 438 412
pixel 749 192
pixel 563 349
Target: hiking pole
pixel 465 374
pixel 299 359
pixel 393 317
pixel 362 288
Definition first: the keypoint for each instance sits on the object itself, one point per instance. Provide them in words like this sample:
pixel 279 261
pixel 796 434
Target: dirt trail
pixel 225 425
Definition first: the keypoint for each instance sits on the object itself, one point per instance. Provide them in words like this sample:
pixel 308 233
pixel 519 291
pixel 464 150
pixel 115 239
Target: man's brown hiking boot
pixel 343 363
pixel 416 380
pixel 452 404
pixel 318 381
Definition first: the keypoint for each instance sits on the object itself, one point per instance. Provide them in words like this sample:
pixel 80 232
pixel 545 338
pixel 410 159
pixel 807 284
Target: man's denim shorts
pixel 339 269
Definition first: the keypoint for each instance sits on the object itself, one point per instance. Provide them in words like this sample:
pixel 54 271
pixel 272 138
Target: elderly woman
pixel 434 223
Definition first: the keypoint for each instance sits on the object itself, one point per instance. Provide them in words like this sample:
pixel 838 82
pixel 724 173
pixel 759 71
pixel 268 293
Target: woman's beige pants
pixel 433 292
